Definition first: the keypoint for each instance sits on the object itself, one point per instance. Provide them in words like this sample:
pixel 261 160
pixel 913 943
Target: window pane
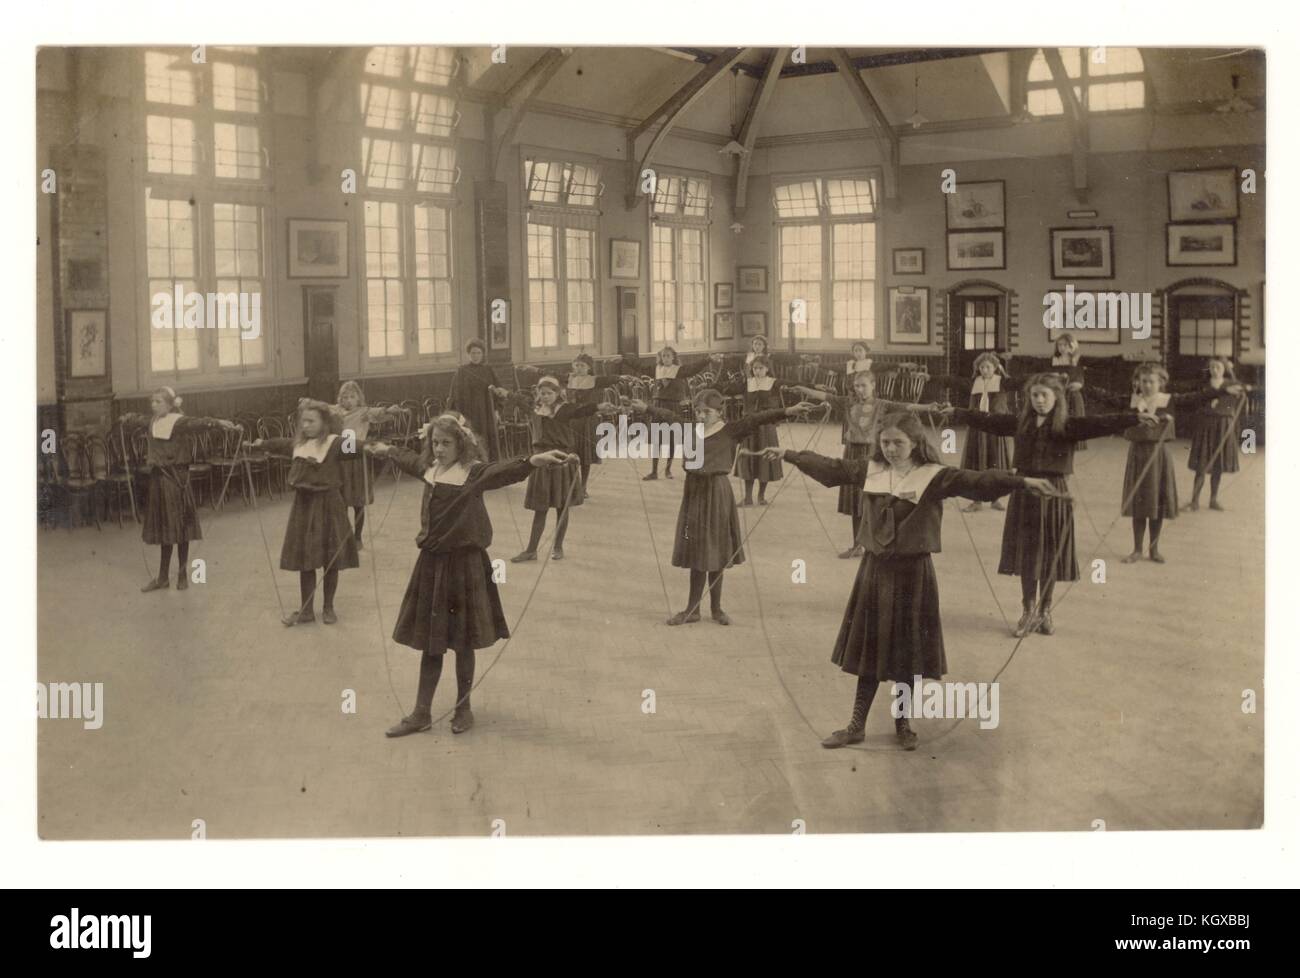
pixel 692 284
pixel 668 192
pixel 237 153
pixel 235 88
pixel 544 180
pixel 800 257
pixel 433 65
pixel 853 271
pixel 386 60
pixel 170 146
pixel 434 115
pixel 385 163
pixel 849 196
pixel 696 202
pixel 170 79
pixel 433 279
pixel 382 106
pixel 1119 61
pixel 797 200
pixel 584 185
pixel 1116 95
pixel 435 169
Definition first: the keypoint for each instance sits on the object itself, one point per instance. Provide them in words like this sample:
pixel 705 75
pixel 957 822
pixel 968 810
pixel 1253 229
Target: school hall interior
pixel 385 205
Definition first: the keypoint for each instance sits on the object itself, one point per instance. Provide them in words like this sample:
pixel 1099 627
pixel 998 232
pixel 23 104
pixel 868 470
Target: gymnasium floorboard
pixel 213 710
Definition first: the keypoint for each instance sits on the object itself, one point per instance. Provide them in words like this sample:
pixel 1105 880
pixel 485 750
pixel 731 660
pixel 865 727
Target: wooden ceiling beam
pixel 887 139
pixel 1076 118
pixel 518 98
pixel 749 129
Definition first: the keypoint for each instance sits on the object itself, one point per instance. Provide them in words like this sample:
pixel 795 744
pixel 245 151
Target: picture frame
pixel 909 261
pixel 753 323
pixel 751 278
pixel 977 249
pixel 1079 253
pixel 723 295
pixel 87 343
pixel 724 325
pixel 317 249
pixel 909 315
pixel 1196 196
pixel 624 258
pixel 977 205
pixel 1201 244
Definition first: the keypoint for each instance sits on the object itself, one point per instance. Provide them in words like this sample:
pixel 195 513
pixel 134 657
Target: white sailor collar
pixel 990 386
pixel 162 428
pixel 857 366
pixel 911 487
pixel 667 371
pixel 1147 405
pixel 316 449
pixel 713 429
pixel 585 383
pixel 755 384
pixel 454 475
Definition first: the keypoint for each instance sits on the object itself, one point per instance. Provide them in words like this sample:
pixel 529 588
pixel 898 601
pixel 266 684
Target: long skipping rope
pixel 1015 648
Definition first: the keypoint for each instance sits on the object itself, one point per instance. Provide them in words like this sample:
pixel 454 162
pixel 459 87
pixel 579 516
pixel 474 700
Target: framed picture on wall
pixel 751 278
pixel 624 258
pixel 1203 195
pixel 909 314
pixel 318 249
pixel 724 325
pixel 977 205
pixel 909 261
pixel 976 249
pixel 1201 244
pixel 87 343
pixel 753 324
pixel 1083 252
pixel 723 295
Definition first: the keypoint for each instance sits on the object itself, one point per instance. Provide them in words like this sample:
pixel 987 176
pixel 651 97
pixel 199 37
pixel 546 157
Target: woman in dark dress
pixel 473 394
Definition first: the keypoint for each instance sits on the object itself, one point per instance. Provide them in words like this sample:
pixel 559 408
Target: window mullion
pixel 561 286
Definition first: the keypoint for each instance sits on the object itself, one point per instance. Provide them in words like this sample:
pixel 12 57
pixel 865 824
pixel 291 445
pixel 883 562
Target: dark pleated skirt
pixel 585 429
pixel 1035 530
pixel 708 526
pixel 1075 401
pixel 451 602
pixel 750 467
pixel 985 451
pixel 851 496
pixel 169 513
pixel 319 534
pixel 358 485
pixel 551 487
pixel 891 627
pixel 1150 490
pixel 1210 432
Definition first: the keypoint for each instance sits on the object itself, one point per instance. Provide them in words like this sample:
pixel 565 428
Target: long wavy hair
pixel 1060 412
pixel 330 422
pixel 923 453
pixel 355 388
pixel 1150 368
pixel 468 447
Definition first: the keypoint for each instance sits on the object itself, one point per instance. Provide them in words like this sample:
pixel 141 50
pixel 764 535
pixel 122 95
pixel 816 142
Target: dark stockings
pixel 699 579
pixel 307 589
pixel 539 525
pixel 1139 530
pixel 1029 593
pixel 182 560
pixel 672 450
pixel 1198 484
pixel 358 521
pixel 431 672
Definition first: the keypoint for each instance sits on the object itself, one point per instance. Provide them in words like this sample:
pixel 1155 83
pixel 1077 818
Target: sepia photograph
pixel 446 441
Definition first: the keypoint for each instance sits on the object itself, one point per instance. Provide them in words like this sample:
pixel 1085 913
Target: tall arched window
pixel 1106 79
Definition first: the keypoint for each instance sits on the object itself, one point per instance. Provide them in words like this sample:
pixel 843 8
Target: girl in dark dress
pixel 1038 536
pixel 670 394
pixel 582 389
pixel 1150 492
pixel 859 361
pixel 353 415
pixel 863 414
pixel 891 629
pixel 757 349
pixel 318 534
pixel 553 487
pixel 762 392
pixel 1066 357
pixel 451 601
pixel 1214 443
pixel 170 517
pixel 474 392
pixel 989 394
pixel 708 538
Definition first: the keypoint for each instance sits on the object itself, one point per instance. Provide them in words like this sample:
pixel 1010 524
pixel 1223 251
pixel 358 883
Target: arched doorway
pixel 1203 317
pixel 978 320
